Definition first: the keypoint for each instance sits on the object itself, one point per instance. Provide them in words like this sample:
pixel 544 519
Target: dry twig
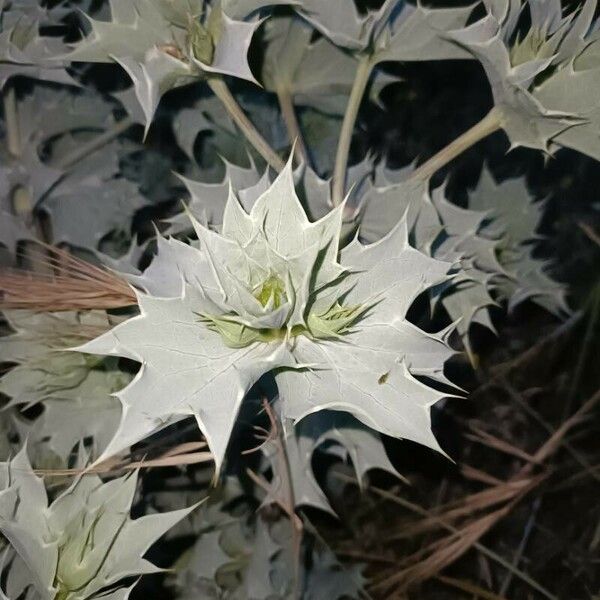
pixel 70 283
pixel 501 498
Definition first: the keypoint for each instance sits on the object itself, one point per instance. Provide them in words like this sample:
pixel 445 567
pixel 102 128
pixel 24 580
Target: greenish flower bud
pixel 201 42
pixel 336 321
pixel 532 46
pixel 273 287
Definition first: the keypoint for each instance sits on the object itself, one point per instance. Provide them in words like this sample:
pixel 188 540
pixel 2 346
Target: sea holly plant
pixel 67 385
pixel 274 291
pixel 163 45
pixel 80 545
pixel 396 31
pixel 516 63
pixel 542 81
pixel 219 263
pixel 23 51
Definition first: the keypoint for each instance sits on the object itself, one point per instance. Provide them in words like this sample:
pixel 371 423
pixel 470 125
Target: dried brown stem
pixel 282 470
pixel 70 284
pixel 473 516
pixel 179 455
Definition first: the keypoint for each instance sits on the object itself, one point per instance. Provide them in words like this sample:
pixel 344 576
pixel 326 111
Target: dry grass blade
pixel 532 352
pixel 556 439
pixel 516 396
pixel 478 475
pixel 450 548
pixel 487 439
pixel 506 491
pixel 178 456
pixel 454 535
pixel 69 283
pixel 469 588
pixel 191 458
pixel 445 551
pixel 470 505
pixel 185 447
pixel 518 555
pixel 589 231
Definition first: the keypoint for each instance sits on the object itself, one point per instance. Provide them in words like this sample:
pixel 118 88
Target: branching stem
pixel 20 196
pixel 286 104
pixel 285 501
pixel 361 79
pixel 222 92
pixel 11 120
pixel 490 123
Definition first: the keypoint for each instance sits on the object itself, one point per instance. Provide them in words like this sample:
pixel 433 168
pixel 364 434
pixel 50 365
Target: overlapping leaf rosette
pixel 395 31
pixel 80 546
pixel 275 292
pixel 85 197
pixel 492 242
pixel 241 554
pixel 23 50
pixel 74 390
pixel 513 219
pixel 163 45
pixel 441 229
pixel 544 81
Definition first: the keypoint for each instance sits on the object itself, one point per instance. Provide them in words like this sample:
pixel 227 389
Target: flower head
pixel 163 45
pixel 274 291
pixel 81 543
pixel 533 75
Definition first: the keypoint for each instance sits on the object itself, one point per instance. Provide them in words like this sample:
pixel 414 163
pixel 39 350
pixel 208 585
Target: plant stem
pixel 284 471
pixel 11 121
pixel 490 123
pixel 94 144
pixel 361 79
pixel 292 125
pixel 221 91
pixel 21 199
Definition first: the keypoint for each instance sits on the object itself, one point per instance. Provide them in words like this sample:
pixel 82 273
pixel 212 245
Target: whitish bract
pixel 273 291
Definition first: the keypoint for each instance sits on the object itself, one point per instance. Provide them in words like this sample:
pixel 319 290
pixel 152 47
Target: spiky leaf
pixel 85 540
pixel 164 45
pixel 280 296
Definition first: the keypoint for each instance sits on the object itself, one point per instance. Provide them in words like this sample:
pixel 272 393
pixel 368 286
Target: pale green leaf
pixel 164 45
pixel 273 291
pixel 85 540
pixel 532 76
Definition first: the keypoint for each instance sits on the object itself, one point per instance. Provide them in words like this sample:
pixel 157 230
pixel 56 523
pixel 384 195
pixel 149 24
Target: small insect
pixel 383 379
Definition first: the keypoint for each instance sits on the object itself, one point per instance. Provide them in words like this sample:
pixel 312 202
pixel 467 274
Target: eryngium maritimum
pixel 273 291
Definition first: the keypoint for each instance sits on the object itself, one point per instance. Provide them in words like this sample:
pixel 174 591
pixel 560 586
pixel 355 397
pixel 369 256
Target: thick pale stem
pixel 490 123
pixel 94 144
pixel 11 121
pixel 341 158
pixel 21 198
pixel 221 91
pixel 290 118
